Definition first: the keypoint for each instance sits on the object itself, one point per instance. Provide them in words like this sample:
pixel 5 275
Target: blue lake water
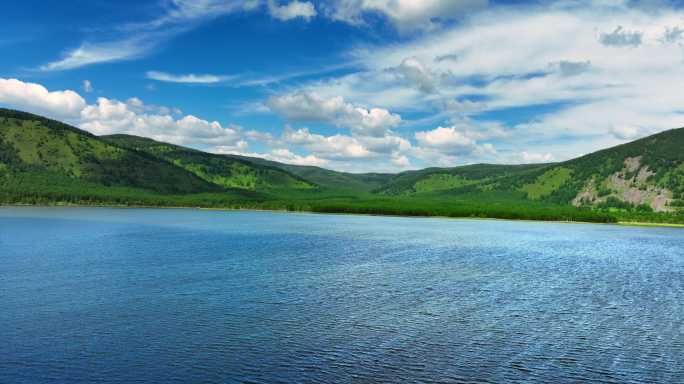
pixel 186 296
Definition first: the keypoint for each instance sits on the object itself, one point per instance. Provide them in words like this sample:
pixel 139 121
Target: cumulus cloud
pixel 415 73
pixel 36 98
pixel 281 155
pixel 111 116
pixel 451 146
pixel 356 154
pixel 190 78
pixel 286 156
pixel 237 148
pixel 310 107
pixel 335 147
pixel 621 37
pixel 401 161
pixel 292 10
pixel 448 140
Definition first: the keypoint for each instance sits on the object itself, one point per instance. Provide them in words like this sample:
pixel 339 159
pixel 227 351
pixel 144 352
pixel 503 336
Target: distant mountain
pixel 225 171
pixel 45 161
pixel 478 177
pixel 326 178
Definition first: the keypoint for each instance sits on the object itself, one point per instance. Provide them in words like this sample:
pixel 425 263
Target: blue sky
pixel 354 85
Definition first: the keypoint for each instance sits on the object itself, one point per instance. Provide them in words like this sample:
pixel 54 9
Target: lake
pixel 95 295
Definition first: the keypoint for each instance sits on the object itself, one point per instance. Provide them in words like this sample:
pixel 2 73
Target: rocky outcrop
pixel 631 185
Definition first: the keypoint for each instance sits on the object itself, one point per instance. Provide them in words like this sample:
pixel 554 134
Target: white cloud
pixel 572 91
pixel 135 40
pixel 625 132
pixel 330 147
pixel 111 116
pixel 448 140
pixel 87 86
pixel 387 144
pixel 36 98
pixel 101 52
pixel 530 157
pixel 286 156
pixel 455 145
pixel 311 107
pixel 190 78
pixel 236 148
pixel 281 155
pixel 250 5
pixel 404 14
pixel 184 11
pixel 401 161
pixel 553 95
pixel 294 9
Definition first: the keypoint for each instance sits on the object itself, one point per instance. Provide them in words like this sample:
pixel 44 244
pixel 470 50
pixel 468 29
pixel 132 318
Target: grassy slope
pixel 31 142
pixel 217 169
pixel 42 160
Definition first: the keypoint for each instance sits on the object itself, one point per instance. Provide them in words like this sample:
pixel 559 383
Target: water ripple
pixel 178 296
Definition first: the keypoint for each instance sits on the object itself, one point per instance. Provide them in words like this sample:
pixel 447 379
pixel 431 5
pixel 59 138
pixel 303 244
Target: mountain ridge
pixel 214 168
pixel 46 161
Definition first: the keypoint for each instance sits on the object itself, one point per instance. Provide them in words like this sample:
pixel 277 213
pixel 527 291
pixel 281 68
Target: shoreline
pixel 112 206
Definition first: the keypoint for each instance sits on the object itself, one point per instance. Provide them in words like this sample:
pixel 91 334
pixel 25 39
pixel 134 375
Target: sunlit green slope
pixel 226 171
pixel 36 153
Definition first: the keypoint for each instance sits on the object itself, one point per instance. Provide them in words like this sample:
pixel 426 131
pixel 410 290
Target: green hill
pixel 361 182
pixel 47 162
pixel 33 143
pixel 648 172
pixel 645 175
pixel 477 177
pixel 43 160
pixel 226 171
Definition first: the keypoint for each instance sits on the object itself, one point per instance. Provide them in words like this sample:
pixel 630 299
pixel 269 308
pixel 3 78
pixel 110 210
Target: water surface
pixel 147 296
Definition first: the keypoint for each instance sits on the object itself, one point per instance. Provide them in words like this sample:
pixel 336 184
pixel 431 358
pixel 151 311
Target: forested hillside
pixel 222 170
pixel 43 161
pixel 645 175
